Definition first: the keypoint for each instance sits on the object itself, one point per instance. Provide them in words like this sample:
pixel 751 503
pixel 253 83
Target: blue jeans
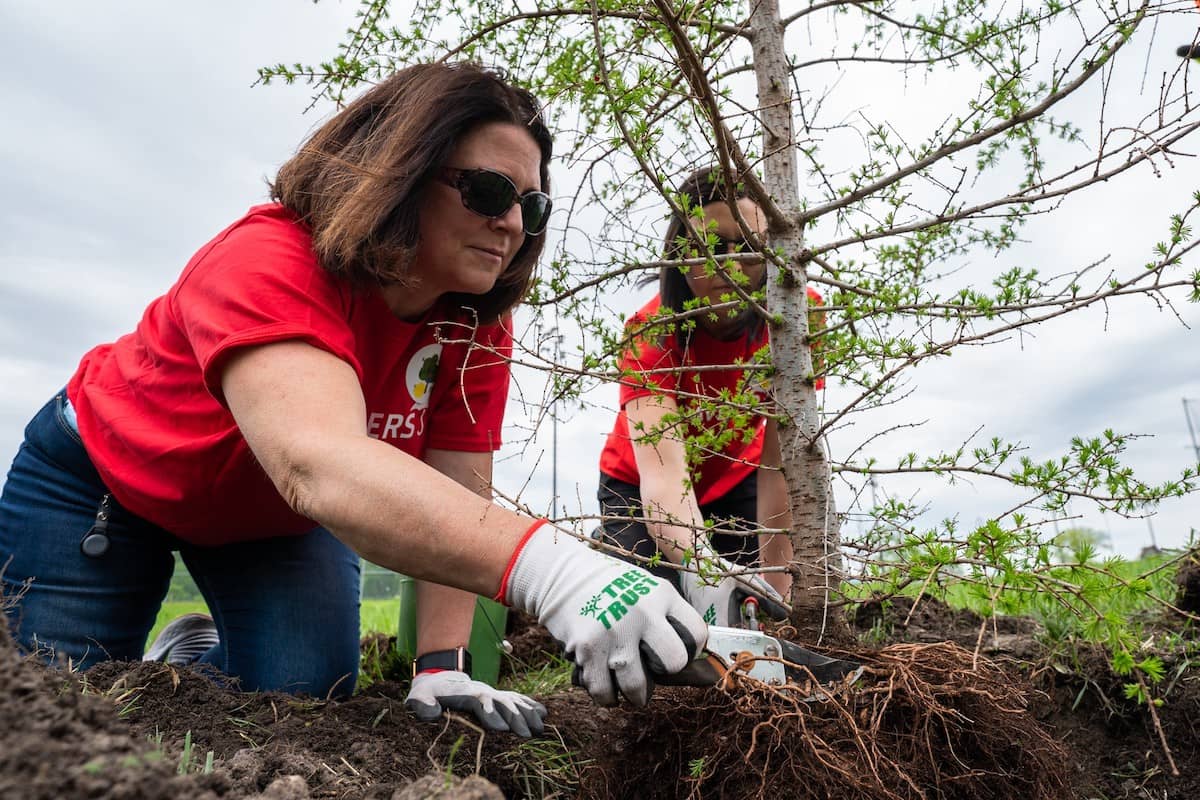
pixel 286 608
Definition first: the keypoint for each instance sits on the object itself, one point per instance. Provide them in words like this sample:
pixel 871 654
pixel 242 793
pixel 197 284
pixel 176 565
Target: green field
pixel 380 604
pixel 378 616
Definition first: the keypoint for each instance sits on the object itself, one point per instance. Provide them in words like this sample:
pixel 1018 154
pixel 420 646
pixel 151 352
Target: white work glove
pixel 617 622
pixel 496 710
pixel 719 588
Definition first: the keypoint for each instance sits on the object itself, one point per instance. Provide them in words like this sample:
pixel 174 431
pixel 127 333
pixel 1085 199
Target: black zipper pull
pixel 96 541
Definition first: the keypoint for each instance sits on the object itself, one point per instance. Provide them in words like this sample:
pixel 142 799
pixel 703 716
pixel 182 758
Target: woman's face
pixel 457 249
pixel 707 283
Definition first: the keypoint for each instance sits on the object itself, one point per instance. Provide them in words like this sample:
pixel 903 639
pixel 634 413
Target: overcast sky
pixel 132 135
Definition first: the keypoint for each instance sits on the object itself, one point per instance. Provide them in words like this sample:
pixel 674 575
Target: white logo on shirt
pixel 396 426
pixel 418 379
pixel 421 373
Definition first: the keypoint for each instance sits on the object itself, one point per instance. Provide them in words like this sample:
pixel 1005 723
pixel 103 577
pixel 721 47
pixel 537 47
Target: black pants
pixel 737 510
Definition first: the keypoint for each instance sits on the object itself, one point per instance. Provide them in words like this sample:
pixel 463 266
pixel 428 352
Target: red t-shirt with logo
pixel 661 366
pixel 150 408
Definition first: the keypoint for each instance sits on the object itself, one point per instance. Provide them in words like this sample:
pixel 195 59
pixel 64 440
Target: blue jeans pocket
pixel 51 433
pixel 64 413
pixel 85 608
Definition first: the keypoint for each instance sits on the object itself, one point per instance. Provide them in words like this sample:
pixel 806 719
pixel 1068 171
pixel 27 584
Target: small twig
pixel 482 733
pixel 916 600
pixel 1162 738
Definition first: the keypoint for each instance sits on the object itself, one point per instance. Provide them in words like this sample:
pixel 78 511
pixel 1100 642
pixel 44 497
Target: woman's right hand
pixel 619 623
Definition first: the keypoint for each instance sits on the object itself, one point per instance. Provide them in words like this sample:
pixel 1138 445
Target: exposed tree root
pixel 925 721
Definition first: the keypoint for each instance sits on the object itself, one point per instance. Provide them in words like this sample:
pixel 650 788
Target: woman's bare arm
pixel 302 412
pixel 668 500
pixel 445 614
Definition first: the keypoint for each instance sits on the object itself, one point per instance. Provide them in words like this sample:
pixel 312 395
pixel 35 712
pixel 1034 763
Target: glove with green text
pixel 617 622
pixel 718 588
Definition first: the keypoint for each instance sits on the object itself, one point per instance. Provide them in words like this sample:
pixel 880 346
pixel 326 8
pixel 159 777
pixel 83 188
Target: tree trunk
pixel 815 534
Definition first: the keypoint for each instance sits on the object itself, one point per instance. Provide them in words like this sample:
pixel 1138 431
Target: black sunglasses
pixel 726 246
pixel 492 194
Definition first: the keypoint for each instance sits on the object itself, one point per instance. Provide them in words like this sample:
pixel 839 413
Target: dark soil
pixel 1187 579
pixel 949 707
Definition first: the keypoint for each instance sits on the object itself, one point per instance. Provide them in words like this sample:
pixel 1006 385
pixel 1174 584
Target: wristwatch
pixel 458 659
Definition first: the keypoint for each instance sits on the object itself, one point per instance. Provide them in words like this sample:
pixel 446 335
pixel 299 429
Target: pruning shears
pixel 760 656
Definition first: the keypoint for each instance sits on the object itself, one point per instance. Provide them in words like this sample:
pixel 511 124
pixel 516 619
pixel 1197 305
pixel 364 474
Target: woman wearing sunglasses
pixel 678 458
pixel 326 381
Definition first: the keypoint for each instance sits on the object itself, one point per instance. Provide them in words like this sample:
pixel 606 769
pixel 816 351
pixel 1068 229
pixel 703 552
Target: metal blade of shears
pixel 761 656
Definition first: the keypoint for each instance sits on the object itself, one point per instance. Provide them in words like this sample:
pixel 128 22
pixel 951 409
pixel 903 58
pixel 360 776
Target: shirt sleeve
pixel 260 283
pixel 467 409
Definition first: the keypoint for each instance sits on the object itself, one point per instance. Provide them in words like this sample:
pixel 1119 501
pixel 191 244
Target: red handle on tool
pixel 750 614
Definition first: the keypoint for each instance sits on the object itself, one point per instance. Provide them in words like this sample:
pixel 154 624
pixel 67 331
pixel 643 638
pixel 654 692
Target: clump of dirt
pixel 435 787
pixel 1187 579
pixel 532 645
pixel 367 746
pixel 56 742
pixel 901 619
pixel 1120 747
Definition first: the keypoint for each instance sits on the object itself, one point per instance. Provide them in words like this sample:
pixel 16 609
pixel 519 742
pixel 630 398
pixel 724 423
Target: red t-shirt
pixel 155 424
pixel 662 367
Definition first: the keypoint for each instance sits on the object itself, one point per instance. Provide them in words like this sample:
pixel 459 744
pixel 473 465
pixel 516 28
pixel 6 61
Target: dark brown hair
pixel 701 188
pixel 359 179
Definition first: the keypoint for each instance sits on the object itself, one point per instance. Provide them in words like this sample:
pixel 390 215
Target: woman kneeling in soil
pixel 672 463
pixel 326 380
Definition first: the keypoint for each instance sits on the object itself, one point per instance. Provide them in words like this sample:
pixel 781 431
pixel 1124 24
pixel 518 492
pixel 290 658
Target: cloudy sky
pixel 132 134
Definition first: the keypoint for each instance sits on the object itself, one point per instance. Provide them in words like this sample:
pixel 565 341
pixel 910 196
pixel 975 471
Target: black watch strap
pixel 458 659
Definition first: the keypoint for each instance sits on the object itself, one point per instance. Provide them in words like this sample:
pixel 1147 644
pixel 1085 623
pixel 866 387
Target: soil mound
pixel 936 715
pixel 57 741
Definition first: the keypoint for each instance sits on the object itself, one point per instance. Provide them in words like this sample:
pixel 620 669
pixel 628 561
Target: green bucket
pixel 487 632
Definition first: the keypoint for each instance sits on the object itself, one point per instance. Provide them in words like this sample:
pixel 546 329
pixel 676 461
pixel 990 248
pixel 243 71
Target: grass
pixel 1080 597
pixel 377 616
pixel 1114 586
pixel 380 616
pixel 545 767
pixel 545 679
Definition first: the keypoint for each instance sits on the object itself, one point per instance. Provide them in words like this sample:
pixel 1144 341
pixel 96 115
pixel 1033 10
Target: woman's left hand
pixel 496 710
pixel 719 588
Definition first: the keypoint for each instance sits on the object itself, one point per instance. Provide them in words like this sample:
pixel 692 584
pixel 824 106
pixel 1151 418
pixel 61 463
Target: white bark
pixel 815 533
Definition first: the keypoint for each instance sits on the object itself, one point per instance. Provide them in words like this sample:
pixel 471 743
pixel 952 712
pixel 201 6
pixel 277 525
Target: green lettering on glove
pixel 623 591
